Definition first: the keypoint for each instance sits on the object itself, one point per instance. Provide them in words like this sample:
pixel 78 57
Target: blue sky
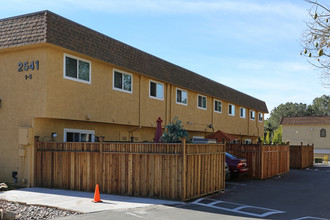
pixel 250 45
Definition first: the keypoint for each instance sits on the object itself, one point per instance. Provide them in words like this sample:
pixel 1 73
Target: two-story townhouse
pixel 62 81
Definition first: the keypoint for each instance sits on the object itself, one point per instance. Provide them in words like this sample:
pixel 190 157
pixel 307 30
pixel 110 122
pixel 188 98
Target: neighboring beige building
pixel 309 130
pixel 65 82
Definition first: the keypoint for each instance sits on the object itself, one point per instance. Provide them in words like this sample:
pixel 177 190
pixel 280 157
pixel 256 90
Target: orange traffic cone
pixel 97 194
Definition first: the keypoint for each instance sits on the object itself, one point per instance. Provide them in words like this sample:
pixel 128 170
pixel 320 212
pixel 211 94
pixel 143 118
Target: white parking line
pixel 238 208
pixel 311 218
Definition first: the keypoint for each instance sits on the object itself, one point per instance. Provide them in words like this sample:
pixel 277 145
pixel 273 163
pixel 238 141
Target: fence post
pixel 301 156
pixel 101 179
pixel 184 176
pixel 312 155
pixel 278 152
pixel 289 158
pixel 261 159
pixel 35 160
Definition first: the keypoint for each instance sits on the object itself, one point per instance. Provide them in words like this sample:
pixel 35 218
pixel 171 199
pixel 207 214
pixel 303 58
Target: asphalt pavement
pixel 297 195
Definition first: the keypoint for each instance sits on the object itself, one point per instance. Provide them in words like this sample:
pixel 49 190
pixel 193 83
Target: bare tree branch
pixel 316 39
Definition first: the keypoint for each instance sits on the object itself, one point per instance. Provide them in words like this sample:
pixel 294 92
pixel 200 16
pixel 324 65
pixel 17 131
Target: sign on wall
pixel 28 66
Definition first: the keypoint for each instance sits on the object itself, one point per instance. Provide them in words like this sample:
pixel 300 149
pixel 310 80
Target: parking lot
pixel 300 194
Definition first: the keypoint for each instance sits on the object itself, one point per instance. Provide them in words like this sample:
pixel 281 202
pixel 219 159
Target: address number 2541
pixel 26 66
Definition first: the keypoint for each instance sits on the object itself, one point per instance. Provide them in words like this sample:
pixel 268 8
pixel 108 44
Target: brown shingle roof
pixel 51 28
pixel 23 30
pixel 306 120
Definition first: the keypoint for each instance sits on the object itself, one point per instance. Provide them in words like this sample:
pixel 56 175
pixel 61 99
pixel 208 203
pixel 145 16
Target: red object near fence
pixel 159 131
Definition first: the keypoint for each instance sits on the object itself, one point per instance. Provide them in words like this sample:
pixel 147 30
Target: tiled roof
pixel 47 27
pixel 23 30
pixel 324 120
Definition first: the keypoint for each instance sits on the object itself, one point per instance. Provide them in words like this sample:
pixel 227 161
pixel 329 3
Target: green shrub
pixel 174 132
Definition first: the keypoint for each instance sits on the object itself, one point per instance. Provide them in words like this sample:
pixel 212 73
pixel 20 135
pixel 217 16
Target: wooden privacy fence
pixel 168 171
pixel 264 161
pixel 301 156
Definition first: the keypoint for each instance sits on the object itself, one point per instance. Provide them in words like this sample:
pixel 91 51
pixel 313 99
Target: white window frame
pixel 252 115
pixel 262 117
pixel 240 112
pixel 124 73
pixel 215 100
pixel 157 83
pixel 66 130
pixel 201 107
pixel 232 108
pixel 78 59
pixel 176 96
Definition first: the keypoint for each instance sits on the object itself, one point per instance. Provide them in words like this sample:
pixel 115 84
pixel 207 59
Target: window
pixel 217 106
pixel 231 109
pixel 181 97
pixel 122 81
pixel 242 112
pixel 75 135
pixel 260 116
pixel 201 101
pixel 77 69
pixel 323 133
pixel 252 115
pixel 156 90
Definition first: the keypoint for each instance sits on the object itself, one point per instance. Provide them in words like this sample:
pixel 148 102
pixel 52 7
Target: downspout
pixel 170 101
pixel 166 102
pixel 257 121
pixel 248 127
pixel 140 101
pixel 212 113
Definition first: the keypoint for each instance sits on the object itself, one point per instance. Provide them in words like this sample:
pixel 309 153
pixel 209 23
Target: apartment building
pixel 62 81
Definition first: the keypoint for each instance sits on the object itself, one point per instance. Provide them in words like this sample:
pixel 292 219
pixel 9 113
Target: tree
pixel 174 132
pixel 316 39
pixel 278 136
pixel 268 138
pixel 287 109
pixel 320 106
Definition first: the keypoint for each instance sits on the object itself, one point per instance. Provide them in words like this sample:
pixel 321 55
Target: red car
pixel 237 166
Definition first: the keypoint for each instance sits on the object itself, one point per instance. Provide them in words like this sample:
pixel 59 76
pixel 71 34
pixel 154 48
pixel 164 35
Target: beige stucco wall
pixel 308 134
pixel 43 127
pixel 22 100
pixel 101 103
pixel 49 103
